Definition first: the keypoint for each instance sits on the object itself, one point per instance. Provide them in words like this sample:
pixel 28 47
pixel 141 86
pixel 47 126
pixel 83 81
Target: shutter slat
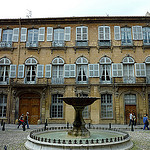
pixel 23 34
pixel 41 34
pixel 15 37
pixel 48 71
pixel 20 71
pixel 49 33
pixel 12 71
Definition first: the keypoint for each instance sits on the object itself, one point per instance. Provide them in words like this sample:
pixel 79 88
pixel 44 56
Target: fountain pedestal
pixel 79 129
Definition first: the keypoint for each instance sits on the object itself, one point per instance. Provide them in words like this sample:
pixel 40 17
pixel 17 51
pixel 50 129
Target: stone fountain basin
pixel 79 101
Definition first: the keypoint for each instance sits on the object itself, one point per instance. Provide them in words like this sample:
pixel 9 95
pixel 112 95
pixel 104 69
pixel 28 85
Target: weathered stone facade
pixel 45 52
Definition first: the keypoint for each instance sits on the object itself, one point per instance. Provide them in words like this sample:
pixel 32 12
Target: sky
pixel 70 8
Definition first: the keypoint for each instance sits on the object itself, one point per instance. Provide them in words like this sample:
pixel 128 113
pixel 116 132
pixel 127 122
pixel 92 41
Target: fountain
pixel 78 137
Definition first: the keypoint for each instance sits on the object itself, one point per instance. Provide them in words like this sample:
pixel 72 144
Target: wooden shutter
pixel 48 71
pixel 15 35
pixel 100 33
pixel 117 70
pixel 69 70
pixel 40 69
pixel 78 33
pixel 106 33
pixel 140 69
pixel 12 71
pixel 20 71
pixel 67 33
pixel 137 32
pixel 23 34
pixel 84 33
pixel 93 70
pixel 49 33
pixel 41 34
pixel 0 33
pixel 117 33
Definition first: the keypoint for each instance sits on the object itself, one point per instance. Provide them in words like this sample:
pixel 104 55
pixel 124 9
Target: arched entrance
pixel 30 102
pixel 130 106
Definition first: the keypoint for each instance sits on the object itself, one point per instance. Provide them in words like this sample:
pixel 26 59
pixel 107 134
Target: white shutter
pixel 117 70
pixel 23 34
pixel 15 35
pixel 0 33
pixel 137 32
pixel 69 70
pixel 41 34
pixel 117 33
pixel 93 70
pixel 67 33
pixel 48 71
pixel 40 69
pixel 78 33
pixel 107 33
pixel 84 33
pixel 140 69
pixel 20 71
pixel 100 33
pixel 12 71
pixel 49 33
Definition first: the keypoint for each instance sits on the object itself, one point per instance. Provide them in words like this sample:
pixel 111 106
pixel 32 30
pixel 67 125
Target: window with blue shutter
pixel 48 71
pixel 23 34
pixel 41 34
pixel 140 69
pixel 93 70
pixel 20 71
pixel 69 70
pixel 67 33
pixel 117 70
pixel 40 69
pixel 15 37
pixel 12 71
pixel 137 32
pixel 49 33
pixel 117 33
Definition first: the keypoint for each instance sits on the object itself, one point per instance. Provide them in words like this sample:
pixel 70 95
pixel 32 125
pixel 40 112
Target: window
pixel 126 36
pixel 137 32
pixel 3 105
pixel 147 62
pixel 140 69
pixel 30 70
pixel 117 70
pixel 104 35
pixel 128 70
pixel 57 106
pixel 130 99
pixel 105 70
pixel 82 66
pixel 149 105
pixel 106 106
pixel 58 36
pixel 57 71
pixel 82 36
pixel 146 35
pixel 4 70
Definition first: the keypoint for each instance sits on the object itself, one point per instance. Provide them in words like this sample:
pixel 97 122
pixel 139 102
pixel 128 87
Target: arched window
pixel 105 69
pixel 30 70
pixel 4 70
pixel 58 71
pixel 82 66
pixel 128 69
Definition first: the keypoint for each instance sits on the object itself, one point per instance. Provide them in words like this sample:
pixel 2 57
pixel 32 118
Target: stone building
pixel 44 59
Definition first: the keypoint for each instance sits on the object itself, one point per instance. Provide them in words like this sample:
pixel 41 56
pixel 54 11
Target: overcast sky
pixel 69 8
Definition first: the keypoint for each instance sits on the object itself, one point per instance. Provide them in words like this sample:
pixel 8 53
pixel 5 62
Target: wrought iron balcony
pixel 81 43
pixel 129 79
pixel 33 44
pixel 58 43
pixel 104 43
pixel 57 80
pixel 7 44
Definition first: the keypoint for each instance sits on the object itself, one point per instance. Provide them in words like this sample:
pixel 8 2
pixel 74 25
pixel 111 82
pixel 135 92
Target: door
pixel 30 103
pixel 128 110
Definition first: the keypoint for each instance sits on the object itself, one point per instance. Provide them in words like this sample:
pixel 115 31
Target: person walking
pixel 21 120
pixel 131 119
pixel 26 120
pixel 146 123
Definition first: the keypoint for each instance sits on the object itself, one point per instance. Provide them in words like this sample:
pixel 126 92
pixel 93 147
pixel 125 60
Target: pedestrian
pixel 26 120
pixel 134 119
pixel 146 123
pixel 21 120
pixel 131 118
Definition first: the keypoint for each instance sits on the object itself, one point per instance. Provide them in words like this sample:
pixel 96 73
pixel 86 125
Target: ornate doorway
pixel 30 103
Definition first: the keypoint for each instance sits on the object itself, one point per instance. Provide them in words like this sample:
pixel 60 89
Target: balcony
pixel 81 43
pixel 129 79
pixel 79 81
pixel 5 82
pixel 104 44
pixel 57 80
pixel 146 44
pixel 32 45
pixel 58 43
pixel 27 81
pixel 7 45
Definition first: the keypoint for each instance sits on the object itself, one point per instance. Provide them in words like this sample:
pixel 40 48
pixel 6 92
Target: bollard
pixel 67 125
pixel 3 128
pixel 132 129
pixel 2 122
pixel 24 127
pixel 46 122
pixel 109 125
pixel 5 147
pixel 89 125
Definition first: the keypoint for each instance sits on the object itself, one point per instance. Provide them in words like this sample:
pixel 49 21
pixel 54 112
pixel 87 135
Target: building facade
pixel 44 59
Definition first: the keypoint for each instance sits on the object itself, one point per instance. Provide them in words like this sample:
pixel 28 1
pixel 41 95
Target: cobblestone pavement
pixel 14 138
